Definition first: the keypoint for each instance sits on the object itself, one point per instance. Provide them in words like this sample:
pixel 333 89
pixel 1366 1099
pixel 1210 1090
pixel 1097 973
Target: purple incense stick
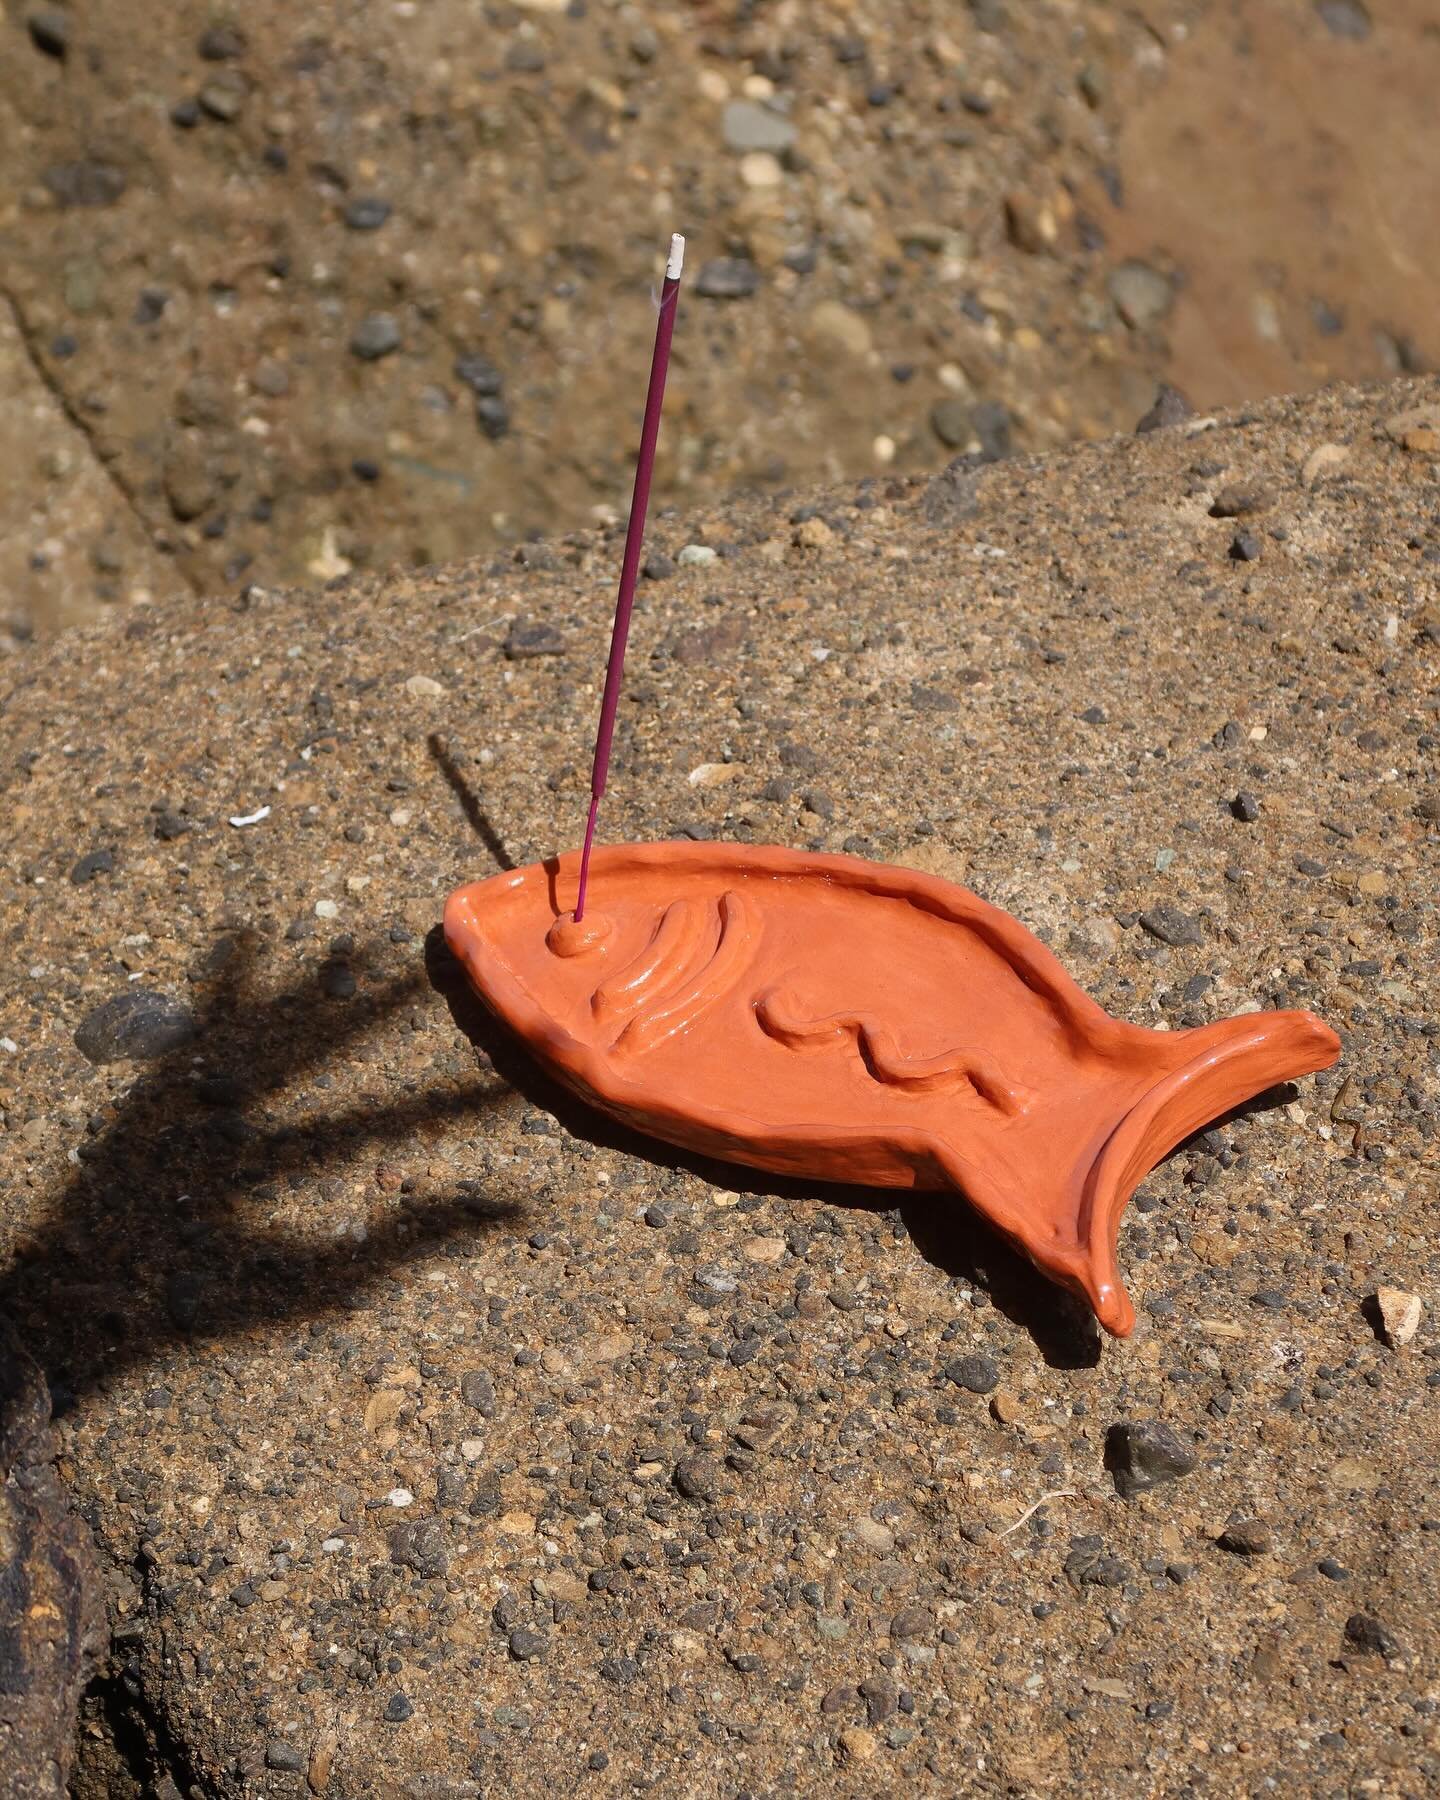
pixel 630 567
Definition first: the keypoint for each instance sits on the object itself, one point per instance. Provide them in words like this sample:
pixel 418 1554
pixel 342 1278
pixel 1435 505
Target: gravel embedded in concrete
pixel 402 1394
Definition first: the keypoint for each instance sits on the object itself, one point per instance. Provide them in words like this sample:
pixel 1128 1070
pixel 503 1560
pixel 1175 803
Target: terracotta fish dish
pixel 855 1022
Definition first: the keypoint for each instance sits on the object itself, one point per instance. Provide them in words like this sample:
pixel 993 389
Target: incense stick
pixel 630 566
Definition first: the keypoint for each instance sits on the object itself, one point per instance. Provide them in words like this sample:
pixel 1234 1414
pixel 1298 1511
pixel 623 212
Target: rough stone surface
pixel 52 1620
pixel 71 543
pixel 264 1269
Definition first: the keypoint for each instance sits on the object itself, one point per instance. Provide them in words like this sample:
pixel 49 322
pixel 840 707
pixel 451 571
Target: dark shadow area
pixel 126 1744
pixel 479 820
pixel 1280 1095
pixel 1374 1317
pixel 961 1244
pixel 158 1232
pixel 943 1228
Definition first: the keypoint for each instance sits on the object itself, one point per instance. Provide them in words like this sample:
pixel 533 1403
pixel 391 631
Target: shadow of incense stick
pixel 476 816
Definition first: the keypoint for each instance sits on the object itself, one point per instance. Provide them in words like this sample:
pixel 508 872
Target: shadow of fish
pixel 827 1017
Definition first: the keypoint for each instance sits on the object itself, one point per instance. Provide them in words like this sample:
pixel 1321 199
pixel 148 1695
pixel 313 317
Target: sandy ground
pixel 307 289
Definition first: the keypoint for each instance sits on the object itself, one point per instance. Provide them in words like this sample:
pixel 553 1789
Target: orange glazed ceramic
pixel 826 1017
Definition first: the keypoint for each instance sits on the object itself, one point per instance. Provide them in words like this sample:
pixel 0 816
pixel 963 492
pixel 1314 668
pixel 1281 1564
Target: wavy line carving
pixel 780 1018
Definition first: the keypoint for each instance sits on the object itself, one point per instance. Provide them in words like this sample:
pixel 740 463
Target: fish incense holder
pixel 849 1021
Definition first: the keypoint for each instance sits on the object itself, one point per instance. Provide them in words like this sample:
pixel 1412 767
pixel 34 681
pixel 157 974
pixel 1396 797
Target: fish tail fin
pixel 1229 1063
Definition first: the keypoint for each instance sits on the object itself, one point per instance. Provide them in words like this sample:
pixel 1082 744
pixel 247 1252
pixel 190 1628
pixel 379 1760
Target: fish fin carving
pixel 673 944
pixel 692 991
pixel 780 1017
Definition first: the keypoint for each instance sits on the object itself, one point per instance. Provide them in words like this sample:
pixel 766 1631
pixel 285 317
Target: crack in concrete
pixel 76 418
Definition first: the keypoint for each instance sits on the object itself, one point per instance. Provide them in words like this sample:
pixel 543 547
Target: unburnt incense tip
pixel 676 259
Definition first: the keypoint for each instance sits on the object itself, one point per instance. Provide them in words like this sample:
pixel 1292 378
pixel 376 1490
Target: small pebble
pixel 1247 1537
pixel 1399 1314
pixel 492 415
pixel 367 213
pixel 478 373
pixel 1170 408
pixel 221 43
pixel 138 1024
pixel 727 278
pixel 150 305
pixel 857 1744
pixel 950 421
pixel 1088 1564
pixel 376 336
pixel 96 862
pixel 1142 295
pixel 697 1477
pixel 1172 926
pixel 1366 1633
pixel 760 170
pixel 976 1372
pixel 477 1390
pixel 1142 1454
pixel 748 126
pixel 1233 501
pixel 223 96
pixel 49 30
pixel 1348 20
pixel 337 980
pixel 529 638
